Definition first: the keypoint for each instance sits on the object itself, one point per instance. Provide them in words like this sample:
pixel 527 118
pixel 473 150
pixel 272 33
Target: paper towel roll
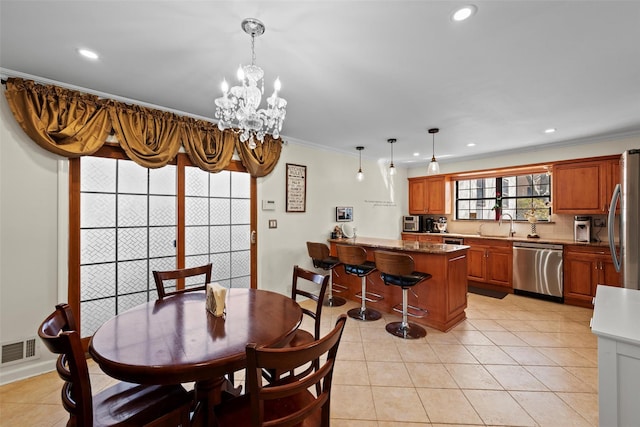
pixel 216 297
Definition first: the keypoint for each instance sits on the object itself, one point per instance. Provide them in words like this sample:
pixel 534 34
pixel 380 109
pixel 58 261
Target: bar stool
pixel 398 269
pixel 355 262
pixel 319 253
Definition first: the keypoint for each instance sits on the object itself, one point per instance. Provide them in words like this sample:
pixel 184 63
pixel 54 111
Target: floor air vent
pixel 19 351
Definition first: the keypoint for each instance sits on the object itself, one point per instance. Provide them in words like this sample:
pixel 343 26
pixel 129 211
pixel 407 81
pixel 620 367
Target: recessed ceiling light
pixel 416 154
pixel 550 130
pixel 464 12
pixel 471 144
pixel 89 54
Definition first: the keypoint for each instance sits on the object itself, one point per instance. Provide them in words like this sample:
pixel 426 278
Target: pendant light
pixel 434 167
pixel 392 168
pixel 360 175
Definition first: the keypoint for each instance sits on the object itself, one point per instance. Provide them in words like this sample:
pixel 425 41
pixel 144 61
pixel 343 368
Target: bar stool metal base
pixel 367 314
pixel 406 331
pixel 334 301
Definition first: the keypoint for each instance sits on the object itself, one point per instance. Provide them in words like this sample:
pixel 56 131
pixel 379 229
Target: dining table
pixel 177 340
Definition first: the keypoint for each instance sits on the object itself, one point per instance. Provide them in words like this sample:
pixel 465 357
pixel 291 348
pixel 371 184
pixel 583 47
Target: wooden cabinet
pixel 584 187
pixel 586 267
pixel 490 263
pixel 414 237
pixel 429 195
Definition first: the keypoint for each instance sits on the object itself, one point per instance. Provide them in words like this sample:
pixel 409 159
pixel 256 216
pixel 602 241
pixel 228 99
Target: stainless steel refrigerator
pixel 628 193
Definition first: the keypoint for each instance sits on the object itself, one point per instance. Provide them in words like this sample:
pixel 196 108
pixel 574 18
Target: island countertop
pixel 401 245
pixel 444 295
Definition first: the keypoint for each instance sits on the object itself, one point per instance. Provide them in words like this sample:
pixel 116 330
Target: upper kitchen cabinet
pixel 585 187
pixel 430 195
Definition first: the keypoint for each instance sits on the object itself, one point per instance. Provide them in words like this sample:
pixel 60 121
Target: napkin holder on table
pixel 216 296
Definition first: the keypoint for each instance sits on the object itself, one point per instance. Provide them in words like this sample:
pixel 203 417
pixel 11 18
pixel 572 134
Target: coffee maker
pixel 582 228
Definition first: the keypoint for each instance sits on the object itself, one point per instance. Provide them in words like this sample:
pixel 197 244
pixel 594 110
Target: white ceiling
pixel 357 72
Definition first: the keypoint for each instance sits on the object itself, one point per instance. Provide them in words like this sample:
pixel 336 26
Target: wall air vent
pixel 19 351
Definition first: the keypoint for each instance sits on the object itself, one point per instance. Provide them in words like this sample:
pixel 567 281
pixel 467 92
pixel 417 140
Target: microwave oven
pixel 412 223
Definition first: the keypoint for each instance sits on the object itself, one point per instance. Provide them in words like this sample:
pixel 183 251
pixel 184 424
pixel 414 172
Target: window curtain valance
pixel 73 124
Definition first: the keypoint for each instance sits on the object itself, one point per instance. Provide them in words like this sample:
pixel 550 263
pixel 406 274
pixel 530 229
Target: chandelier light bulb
pixel 240 73
pixel 224 86
pixel 277 85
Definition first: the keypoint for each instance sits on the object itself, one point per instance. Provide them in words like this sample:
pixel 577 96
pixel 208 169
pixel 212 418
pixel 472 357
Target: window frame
pixel 498 199
pixel 181 162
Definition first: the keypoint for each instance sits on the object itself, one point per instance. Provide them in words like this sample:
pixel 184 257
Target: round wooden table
pixel 176 340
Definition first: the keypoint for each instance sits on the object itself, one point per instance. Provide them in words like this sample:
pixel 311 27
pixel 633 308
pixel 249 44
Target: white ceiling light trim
pixel 464 13
pixel 88 53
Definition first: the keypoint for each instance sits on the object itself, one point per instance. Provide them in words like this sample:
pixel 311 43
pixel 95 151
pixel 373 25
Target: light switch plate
pixel 273 223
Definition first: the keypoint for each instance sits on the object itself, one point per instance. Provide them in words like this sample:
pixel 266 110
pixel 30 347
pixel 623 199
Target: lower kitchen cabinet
pixel 490 263
pixel 421 237
pixel 586 267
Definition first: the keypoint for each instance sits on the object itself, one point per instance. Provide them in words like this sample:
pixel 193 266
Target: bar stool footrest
pixel 370 296
pixel 339 288
pixel 412 311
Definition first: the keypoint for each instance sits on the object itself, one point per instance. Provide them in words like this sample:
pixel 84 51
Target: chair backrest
pixel 287 359
pixel 318 251
pixel 59 334
pixel 352 255
pixel 161 276
pixel 394 263
pixel 319 279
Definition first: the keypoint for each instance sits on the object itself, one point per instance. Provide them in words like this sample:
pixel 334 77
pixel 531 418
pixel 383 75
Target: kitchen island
pixel 444 295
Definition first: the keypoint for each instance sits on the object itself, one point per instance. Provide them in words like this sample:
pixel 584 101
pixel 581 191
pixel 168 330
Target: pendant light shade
pixel 360 175
pixel 434 167
pixel 392 168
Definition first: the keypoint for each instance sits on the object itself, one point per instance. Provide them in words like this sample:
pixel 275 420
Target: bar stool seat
pixel 319 253
pixel 355 262
pixel 397 269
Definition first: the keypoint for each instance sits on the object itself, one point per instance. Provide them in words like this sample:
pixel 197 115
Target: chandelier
pixel 238 107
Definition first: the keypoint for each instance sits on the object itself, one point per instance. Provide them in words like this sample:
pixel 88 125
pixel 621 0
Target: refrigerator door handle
pixel 612 217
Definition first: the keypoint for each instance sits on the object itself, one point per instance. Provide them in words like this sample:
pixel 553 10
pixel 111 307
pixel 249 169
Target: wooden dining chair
pixel 301 336
pixel 161 277
pixel 287 402
pixel 119 405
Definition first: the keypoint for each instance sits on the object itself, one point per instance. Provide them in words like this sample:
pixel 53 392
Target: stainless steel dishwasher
pixel 537 270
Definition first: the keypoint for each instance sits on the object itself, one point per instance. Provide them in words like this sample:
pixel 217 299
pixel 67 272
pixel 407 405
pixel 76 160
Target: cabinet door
pixel 608 274
pixel 417 196
pixel 435 195
pixel 580 276
pixel 476 263
pixel 577 187
pixel 613 178
pixel 499 267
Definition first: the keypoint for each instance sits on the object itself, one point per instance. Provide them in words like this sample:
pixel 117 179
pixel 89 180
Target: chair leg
pixel 331 300
pixel 364 313
pixel 405 329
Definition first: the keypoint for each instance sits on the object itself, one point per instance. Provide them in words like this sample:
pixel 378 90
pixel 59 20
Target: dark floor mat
pixel 487 292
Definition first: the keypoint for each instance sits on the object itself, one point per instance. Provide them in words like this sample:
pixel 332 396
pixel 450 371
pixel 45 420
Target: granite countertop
pixel 516 239
pixel 405 245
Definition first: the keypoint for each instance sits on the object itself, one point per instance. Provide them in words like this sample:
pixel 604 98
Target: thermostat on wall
pixel 268 205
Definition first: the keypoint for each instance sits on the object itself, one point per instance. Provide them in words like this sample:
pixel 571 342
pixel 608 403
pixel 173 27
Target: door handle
pixel 253 237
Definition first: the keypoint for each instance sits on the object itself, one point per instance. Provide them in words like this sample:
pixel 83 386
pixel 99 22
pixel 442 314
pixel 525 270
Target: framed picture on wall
pixel 296 188
pixel 344 213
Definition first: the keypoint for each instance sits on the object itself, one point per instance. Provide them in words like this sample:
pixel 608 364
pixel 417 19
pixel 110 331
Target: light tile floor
pixel 515 362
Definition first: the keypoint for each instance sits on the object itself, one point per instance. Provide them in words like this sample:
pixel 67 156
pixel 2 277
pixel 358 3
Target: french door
pixel 127 221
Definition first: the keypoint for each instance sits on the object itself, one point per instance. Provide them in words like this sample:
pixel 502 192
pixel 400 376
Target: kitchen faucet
pixel 512 232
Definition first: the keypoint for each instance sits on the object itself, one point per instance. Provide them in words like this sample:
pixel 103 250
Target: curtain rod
pixel 6 73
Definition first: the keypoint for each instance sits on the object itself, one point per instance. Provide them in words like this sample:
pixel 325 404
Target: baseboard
pixel 19 372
